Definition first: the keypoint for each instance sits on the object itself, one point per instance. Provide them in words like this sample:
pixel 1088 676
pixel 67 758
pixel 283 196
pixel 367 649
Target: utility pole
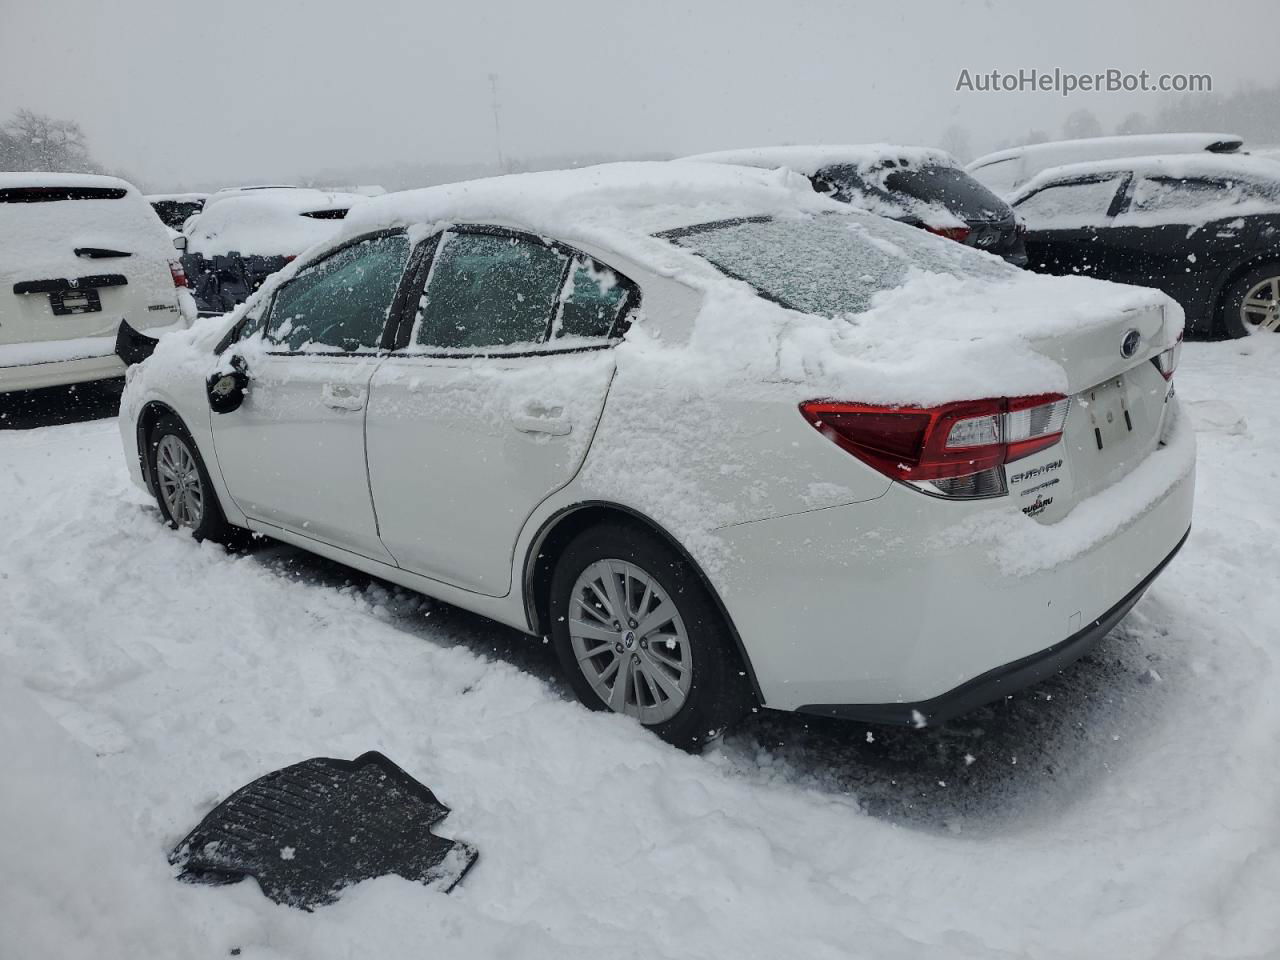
pixel 497 121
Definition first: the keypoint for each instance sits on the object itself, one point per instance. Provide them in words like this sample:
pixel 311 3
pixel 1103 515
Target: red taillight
pixel 958 234
pixel 1167 362
pixel 927 444
pixel 179 275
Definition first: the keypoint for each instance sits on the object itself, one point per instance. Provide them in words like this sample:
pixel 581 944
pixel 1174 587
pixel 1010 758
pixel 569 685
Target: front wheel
pixel 1251 303
pixel 183 490
pixel 637 633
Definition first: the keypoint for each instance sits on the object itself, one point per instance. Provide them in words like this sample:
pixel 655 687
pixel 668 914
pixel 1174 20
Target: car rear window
pixel 51 194
pixel 828 265
pixel 951 188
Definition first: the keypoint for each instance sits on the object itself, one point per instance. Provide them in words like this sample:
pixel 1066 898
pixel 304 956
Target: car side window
pixel 593 301
pixel 1169 194
pixel 340 303
pixel 489 290
pixel 1081 203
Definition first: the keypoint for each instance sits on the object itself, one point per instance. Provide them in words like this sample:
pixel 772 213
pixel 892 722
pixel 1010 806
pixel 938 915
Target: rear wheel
pixel 637 633
pixel 1251 303
pixel 182 486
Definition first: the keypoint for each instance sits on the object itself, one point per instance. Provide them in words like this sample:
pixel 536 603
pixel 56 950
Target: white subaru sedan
pixel 727 442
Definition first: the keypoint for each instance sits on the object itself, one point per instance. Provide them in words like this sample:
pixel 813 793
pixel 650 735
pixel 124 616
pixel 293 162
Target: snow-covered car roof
pixel 869 188
pixel 911 317
pixel 269 222
pixel 35 179
pixel 179 197
pixel 1176 166
pixel 602 204
pixel 867 157
pixel 1055 153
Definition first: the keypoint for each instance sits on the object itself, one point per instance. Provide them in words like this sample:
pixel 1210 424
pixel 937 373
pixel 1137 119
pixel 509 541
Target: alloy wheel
pixel 630 641
pixel 1260 310
pixel 179 478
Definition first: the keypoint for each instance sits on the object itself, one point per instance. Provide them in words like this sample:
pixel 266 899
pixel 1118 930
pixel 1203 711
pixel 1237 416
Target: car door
pixel 292 454
pixel 490 400
pixel 1068 224
pixel 1180 235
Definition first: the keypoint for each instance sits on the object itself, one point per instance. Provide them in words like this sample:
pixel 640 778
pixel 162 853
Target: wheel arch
pixel 148 417
pixel 1230 276
pixel 561 527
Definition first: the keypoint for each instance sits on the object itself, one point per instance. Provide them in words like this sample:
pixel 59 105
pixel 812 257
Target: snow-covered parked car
pixel 923 187
pixel 1201 227
pixel 1006 170
pixel 246 234
pixel 175 209
pixel 78 255
pixel 726 441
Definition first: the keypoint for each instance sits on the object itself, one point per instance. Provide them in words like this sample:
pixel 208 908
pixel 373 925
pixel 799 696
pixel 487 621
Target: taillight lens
pixel 956 449
pixel 958 234
pixel 179 275
pixel 1167 362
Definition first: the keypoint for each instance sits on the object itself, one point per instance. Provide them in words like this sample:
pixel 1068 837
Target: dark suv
pixel 1203 228
pixel 919 186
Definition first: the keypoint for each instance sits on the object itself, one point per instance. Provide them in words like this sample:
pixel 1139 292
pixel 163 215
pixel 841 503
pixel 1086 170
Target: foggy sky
pixel 180 93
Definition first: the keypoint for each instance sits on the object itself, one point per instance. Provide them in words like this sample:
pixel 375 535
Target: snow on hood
pixel 267 223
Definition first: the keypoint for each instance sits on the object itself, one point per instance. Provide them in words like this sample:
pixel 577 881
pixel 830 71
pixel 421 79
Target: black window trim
pixel 402 335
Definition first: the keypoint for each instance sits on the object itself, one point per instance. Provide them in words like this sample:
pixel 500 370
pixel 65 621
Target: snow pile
pixel 78 879
pixel 267 223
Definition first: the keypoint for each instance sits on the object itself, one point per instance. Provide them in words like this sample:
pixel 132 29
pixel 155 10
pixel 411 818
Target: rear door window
pixel 1060 206
pixel 948 187
pixel 592 302
pixel 490 290
pixel 342 302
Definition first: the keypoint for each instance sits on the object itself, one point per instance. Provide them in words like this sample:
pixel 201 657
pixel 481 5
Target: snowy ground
pixel 1129 808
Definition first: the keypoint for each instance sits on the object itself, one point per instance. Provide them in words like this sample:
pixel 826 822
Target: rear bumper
pixel 1001 681
pixel 55 363
pixel 57 373
pixel 872 609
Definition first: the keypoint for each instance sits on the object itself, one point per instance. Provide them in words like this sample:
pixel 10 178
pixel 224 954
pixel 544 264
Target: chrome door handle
pixel 341 397
pixel 555 426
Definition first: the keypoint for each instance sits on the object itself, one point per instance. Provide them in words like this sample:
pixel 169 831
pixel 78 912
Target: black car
pixel 175 209
pixel 1204 229
pixel 916 185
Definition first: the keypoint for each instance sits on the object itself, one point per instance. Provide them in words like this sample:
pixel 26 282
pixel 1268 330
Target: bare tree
pixel 1134 123
pixel 34 141
pixel 955 140
pixel 1081 124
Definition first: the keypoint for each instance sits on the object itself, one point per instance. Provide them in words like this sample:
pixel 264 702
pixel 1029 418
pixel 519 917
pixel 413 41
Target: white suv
pixel 79 255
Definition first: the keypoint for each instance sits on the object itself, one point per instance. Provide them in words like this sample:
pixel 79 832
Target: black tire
pixel 213 523
pixel 1229 322
pixel 720 692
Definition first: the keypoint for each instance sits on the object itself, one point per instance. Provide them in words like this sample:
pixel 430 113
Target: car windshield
pixel 951 188
pixel 829 265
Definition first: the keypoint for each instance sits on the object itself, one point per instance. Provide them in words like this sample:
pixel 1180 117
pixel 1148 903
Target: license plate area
pixel 72 302
pixel 1108 410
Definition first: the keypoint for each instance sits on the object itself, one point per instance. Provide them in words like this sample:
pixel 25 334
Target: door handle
pixel 556 426
pixel 341 397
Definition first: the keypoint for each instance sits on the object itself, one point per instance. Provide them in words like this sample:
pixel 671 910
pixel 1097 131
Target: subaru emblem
pixel 1130 344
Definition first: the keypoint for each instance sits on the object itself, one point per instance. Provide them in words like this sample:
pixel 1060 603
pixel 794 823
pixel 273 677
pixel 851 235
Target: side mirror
pixel 180 243
pixel 227 390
